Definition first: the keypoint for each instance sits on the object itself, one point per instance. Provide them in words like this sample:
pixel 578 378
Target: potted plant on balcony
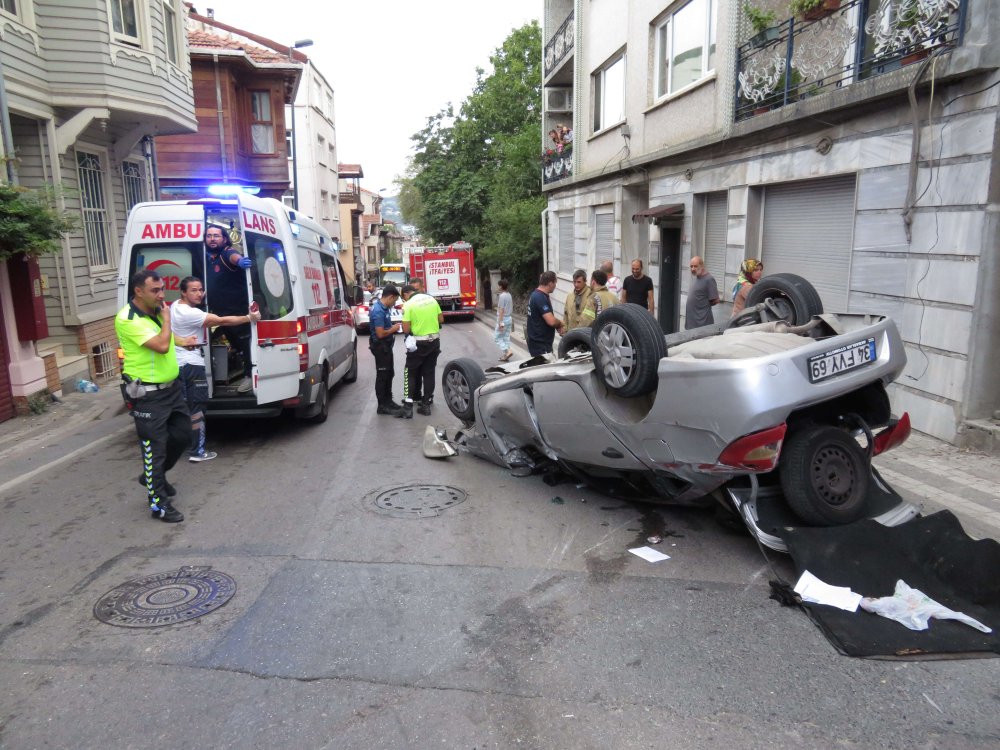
pixel 813 10
pixel 764 25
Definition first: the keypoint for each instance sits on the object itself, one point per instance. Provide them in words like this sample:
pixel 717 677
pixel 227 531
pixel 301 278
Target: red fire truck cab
pixel 449 275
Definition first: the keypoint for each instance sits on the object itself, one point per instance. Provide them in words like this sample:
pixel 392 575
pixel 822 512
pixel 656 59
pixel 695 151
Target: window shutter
pixel 566 244
pixel 605 235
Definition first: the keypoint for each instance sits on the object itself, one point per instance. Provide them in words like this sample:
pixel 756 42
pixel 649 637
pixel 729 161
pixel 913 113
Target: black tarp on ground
pixel 931 553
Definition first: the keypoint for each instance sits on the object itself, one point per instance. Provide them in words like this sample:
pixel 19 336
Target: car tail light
pixel 893 435
pixel 757 451
pixel 300 329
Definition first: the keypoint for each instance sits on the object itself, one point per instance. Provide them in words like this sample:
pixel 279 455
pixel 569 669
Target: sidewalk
pixel 924 469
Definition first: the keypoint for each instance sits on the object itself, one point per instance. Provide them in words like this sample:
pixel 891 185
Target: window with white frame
pixel 321 150
pixel 324 199
pixel 288 143
pixel 170 30
pixel 9 7
pixel 133 183
pixel 685 46
pixel 609 94
pixel 94 207
pixel 126 21
pixel 261 123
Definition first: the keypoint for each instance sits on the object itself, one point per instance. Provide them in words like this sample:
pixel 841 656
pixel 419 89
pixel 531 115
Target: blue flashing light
pixel 227 190
pixel 280 255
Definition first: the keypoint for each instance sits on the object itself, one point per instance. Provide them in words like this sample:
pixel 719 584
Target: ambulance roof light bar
pixel 228 191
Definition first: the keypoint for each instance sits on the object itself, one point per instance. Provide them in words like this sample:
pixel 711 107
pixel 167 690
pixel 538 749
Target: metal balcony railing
pixel 560 45
pixel 838 44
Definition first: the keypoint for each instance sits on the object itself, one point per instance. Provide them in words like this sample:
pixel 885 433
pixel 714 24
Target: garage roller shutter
pixel 716 233
pixel 809 231
pixel 605 248
pixel 566 244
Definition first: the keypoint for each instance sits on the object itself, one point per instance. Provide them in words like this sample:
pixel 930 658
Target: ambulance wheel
pixel 459 381
pixel 352 374
pixel 322 407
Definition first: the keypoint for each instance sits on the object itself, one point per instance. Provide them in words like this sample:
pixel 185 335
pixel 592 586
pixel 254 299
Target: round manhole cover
pixel 417 500
pixel 165 598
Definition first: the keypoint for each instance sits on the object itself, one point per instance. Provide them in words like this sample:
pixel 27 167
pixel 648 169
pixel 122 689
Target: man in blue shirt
pixel 382 333
pixel 542 322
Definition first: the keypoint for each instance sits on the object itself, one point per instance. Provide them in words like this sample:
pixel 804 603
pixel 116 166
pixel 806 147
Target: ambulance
pixel 305 342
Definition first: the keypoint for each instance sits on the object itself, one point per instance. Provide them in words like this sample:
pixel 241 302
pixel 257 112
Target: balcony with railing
pixel 836 44
pixel 557 164
pixel 559 51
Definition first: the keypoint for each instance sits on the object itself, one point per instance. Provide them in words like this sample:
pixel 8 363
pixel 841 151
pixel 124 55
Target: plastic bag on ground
pixel 913 608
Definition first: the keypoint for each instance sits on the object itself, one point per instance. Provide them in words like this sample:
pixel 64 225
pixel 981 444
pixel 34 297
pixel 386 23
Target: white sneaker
pixel 197 458
pixel 245 386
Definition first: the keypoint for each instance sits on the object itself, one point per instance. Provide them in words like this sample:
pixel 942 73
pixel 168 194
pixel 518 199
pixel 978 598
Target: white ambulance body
pixel 305 341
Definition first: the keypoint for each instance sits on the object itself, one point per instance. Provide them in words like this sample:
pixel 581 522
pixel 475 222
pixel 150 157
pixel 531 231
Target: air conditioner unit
pixel 559 100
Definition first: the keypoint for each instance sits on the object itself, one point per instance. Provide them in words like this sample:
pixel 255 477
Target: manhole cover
pixel 417 500
pixel 165 598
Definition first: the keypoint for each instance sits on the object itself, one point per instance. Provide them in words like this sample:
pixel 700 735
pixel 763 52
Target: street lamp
pixel 295 140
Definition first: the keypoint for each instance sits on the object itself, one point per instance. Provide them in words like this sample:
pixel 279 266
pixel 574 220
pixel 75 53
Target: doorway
pixel 670 279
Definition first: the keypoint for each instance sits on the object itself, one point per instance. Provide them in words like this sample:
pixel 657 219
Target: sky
pixel 392 63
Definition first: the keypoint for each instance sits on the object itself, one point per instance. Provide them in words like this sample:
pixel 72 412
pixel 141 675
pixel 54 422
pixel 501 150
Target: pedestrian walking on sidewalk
pixel 381 336
pixel 422 318
pixel 505 321
pixel 187 319
pixel 151 389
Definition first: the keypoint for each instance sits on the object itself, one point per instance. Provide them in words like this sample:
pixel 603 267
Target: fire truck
pixel 449 274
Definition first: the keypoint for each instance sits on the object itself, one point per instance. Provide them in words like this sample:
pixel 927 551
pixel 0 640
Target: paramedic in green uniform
pixel 422 320
pixel 151 390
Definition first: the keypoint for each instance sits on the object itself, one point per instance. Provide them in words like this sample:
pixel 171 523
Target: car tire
pixel 797 300
pixel 459 381
pixel 628 346
pixel 352 374
pixel 578 339
pixel 825 475
pixel 322 403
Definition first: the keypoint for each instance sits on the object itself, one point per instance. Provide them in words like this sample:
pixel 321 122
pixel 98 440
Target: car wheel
pixel 352 374
pixel 824 475
pixel 459 381
pixel 795 298
pixel 576 340
pixel 627 345
pixel 322 403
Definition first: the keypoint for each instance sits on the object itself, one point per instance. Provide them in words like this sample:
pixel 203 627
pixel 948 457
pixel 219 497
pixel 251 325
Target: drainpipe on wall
pixel 222 127
pixel 545 238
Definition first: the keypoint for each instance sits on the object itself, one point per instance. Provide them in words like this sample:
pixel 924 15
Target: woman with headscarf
pixel 750 273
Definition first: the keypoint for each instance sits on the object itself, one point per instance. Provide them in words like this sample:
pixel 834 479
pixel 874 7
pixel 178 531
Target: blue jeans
pixel 194 385
pixel 502 337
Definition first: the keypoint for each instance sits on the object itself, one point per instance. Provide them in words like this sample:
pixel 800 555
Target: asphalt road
pixel 508 620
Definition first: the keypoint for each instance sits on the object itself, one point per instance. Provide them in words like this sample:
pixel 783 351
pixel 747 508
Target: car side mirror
pixel 354 295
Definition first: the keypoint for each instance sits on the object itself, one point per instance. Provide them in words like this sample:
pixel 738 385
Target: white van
pixel 305 341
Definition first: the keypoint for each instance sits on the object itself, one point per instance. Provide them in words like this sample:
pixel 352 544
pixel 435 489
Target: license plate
pixel 841 360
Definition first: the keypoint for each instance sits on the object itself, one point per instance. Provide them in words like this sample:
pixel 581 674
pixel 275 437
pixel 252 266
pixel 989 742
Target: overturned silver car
pixel 776 414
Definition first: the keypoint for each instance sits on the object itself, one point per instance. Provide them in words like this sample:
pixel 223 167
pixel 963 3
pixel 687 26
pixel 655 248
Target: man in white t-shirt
pixel 187 319
pixel 614 284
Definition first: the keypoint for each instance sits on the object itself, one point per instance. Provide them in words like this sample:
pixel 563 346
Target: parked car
pixel 778 410
pixel 361 311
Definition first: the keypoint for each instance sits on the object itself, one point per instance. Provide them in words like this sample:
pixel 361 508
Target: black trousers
pixel 163 425
pixel 418 377
pixel 385 369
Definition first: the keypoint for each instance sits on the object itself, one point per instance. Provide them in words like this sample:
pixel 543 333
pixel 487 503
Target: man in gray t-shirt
pixel 702 295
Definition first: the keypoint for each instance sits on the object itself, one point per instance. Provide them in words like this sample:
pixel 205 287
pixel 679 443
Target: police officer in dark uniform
pixel 382 334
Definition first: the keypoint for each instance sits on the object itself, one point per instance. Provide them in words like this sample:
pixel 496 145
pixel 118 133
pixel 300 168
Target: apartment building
pixel 854 145
pixel 88 86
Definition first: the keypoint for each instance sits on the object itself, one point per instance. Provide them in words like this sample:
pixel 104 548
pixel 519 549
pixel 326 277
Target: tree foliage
pixel 29 222
pixel 475 174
